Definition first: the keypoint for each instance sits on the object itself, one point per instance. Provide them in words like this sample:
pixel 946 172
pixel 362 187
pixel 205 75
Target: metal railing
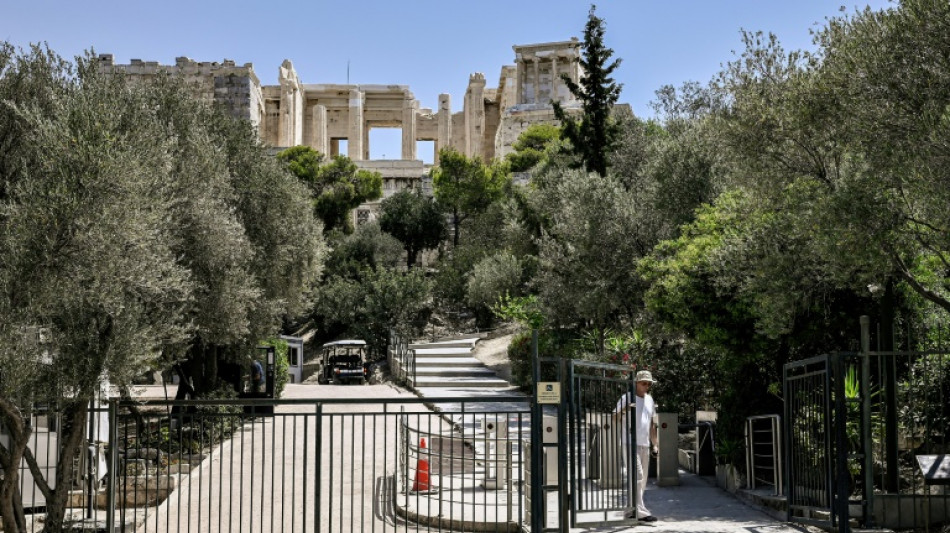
pixel 313 465
pixel 401 359
pixel 764 452
pixel 466 475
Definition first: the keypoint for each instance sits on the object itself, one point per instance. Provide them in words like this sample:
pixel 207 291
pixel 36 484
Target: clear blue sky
pixel 430 45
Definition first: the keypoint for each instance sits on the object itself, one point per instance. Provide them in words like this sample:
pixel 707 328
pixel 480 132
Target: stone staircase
pixel 450 364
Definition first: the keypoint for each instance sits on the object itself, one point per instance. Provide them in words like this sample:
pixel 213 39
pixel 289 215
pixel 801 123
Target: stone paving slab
pixel 697 505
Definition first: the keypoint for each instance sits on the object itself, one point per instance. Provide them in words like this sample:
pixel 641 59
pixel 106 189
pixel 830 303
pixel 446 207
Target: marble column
pixel 475 115
pixel 319 124
pixel 537 81
pixel 355 127
pixel 519 81
pixel 555 79
pixel 285 137
pixel 410 108
pixel 445 125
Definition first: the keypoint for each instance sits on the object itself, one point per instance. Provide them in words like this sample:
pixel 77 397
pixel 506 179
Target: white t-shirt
pixel 645 410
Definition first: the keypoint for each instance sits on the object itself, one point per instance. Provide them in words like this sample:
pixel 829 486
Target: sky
pixel 430 45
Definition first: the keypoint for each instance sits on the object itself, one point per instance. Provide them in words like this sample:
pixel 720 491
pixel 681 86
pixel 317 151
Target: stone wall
pixel 235 87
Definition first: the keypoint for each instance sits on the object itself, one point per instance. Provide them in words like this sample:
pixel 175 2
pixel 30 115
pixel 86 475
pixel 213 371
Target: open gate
pixel 827 434
pixel 599 489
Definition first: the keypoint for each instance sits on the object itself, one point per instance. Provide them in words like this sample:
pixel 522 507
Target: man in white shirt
pixel 644 408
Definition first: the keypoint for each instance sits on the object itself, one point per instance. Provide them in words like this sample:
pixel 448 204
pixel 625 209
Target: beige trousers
pixel 643 464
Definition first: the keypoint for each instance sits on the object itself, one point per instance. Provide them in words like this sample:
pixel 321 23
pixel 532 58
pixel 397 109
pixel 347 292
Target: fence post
pixel 868 467
pixel 113 465
pixel 319 477
pixel 564 496
pixel 842 485
pixel 537 470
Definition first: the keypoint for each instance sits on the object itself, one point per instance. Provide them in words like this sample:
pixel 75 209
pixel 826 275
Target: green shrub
pixel 492 277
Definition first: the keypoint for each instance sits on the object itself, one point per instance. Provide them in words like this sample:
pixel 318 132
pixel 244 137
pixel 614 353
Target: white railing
pixel 763 438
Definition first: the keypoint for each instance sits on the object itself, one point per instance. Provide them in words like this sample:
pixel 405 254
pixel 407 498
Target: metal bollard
pixel 667 461
pixel 497 454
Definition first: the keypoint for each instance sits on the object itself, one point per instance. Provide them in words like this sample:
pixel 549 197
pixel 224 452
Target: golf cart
pixel 342 361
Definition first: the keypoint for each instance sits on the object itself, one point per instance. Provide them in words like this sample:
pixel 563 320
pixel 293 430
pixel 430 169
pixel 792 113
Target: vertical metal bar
pixel 842 485
pixel 537 473
pixel 113 465
pixel 574 470
pixel 373 468
pixel 352 419
pixel 562 478
pixel 750 452
pixel 318 465
pixel 789 406
pixel 777 453
pixel 867 450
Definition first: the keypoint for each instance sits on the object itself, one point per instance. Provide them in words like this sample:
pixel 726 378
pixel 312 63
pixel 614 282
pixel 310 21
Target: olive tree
pixel 89 261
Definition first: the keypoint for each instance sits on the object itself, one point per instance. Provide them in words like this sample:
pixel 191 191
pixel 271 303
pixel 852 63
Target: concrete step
pixel 455 382
pixel 441 345
pixel 455 371
pixel 443 352
pixel 422 362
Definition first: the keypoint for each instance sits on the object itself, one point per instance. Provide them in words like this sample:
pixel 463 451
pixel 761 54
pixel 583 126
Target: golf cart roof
pixel 346 342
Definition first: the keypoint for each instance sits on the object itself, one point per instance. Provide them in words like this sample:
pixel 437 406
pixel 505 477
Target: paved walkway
pixel 699 506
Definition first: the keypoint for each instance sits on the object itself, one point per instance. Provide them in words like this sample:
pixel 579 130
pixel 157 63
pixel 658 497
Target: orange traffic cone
pixel 422 470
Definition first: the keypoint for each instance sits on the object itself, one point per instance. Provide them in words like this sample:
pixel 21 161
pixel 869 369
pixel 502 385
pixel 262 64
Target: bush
pixel 367 247
pixel 368 307
pixel 493 277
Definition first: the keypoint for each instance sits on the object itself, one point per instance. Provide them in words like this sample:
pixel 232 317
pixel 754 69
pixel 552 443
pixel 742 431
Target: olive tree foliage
pixel 244 229
pixel 588 252
pixel 464 186
pixel 852 138
pixel 87 243
pixel 493 278
pixel 139 227
pixel 593 135
pixel 415 220
pixel 889 74
pixel 368 246
pixel 337 185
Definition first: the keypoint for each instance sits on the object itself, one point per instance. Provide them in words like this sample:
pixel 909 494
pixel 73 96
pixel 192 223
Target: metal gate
pixel 320 464
pixel 826 435
pixel 598 458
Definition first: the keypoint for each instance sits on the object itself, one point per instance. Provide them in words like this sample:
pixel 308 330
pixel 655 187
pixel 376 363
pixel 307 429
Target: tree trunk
pixel 411 254
pixel 11 505
pixel 74 417
pixel 198 375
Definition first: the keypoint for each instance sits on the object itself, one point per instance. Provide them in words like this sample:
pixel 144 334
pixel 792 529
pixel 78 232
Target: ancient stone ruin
pixel 293 113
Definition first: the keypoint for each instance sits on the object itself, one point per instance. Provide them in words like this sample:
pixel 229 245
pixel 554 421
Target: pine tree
pixel 593 135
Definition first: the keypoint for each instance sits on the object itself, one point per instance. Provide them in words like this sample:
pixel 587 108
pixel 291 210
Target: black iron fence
pixel 860 429
pixel 314 465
